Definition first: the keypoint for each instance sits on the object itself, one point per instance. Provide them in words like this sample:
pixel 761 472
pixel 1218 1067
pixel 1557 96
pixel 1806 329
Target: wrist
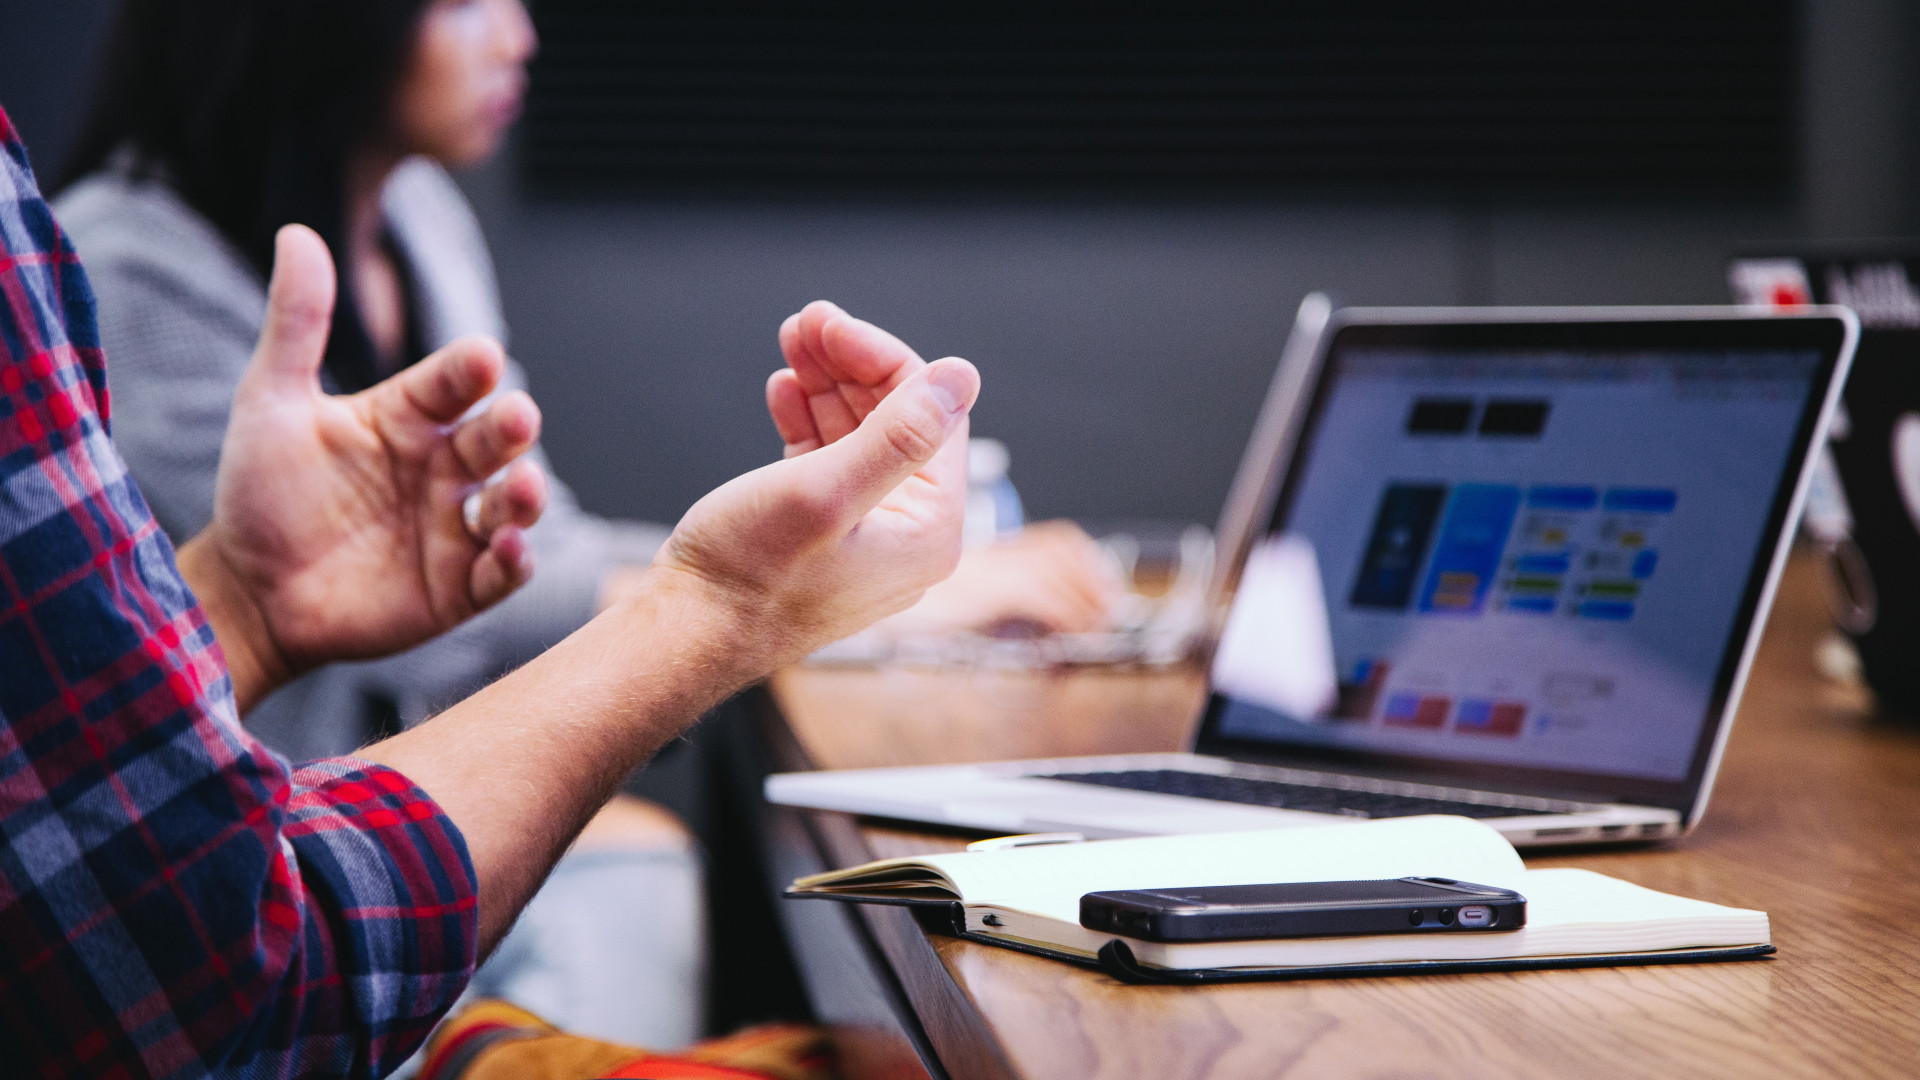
pixel 254 661
pixel 617 583
pixel 715 626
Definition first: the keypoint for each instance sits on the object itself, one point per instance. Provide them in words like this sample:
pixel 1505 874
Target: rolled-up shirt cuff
pixel 391 888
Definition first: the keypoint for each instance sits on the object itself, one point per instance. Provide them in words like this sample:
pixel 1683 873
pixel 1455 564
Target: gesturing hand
pixel 862 516
pixel 338 529
pixel 838 370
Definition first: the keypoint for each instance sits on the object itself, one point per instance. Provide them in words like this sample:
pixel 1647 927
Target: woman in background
pixel 218 121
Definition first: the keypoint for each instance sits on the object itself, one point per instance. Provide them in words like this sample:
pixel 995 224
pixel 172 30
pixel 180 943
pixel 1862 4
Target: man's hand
pixel 862 516
pixel 854 525
pixel 838 370
pixel 1048 578
pixel 338 527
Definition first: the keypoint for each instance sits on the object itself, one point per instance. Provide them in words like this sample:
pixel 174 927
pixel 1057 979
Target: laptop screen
pixel 1532 556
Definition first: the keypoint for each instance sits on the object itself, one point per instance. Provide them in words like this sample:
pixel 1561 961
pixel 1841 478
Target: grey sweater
pixel 179 312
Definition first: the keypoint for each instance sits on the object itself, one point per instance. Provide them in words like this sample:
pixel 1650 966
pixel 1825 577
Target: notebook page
pixel 1569 913
pixel 1050 880
pixel 1572 900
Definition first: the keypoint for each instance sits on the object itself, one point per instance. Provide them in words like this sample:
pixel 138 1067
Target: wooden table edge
pixel 939 1017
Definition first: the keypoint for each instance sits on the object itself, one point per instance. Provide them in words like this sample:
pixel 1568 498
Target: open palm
pixel 342 517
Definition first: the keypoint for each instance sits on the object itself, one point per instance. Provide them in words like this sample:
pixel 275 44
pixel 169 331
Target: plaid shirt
pixel 175 901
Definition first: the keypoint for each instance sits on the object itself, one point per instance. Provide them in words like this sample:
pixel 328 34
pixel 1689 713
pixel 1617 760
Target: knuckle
pixel 914 436
pixel 297 321
pixel 455 380
pixel 491 436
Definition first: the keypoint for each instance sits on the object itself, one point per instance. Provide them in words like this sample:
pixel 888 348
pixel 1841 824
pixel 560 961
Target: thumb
pixel 897 439
pixel 299 309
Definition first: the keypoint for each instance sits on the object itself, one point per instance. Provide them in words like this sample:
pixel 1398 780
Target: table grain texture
pixel 1815 820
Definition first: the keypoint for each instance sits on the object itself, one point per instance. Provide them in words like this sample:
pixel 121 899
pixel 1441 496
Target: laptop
pixel 1512 564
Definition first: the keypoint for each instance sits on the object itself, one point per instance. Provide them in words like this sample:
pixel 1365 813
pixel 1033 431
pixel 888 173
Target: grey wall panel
pixel 1626 255
pixel 1124 350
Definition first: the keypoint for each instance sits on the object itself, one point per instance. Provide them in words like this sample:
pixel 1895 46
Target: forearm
pixel 521 766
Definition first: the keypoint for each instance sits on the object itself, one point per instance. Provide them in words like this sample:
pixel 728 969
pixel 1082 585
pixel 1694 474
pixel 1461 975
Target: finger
pixel 1042 584
pixel 489 442
pixel 787 404
pixel 1081 609
pixel 1064 550
pixel 1098 588
pixel 858 352
pixel 860 399
pixel 1056 611
pixel 517 499
pixel 844 364
pixel 504 566
pixel 445 385
pixel 898 439
pixel 293 340
pixel 1070 588
pixel 865 362
pixel 833 418
pixel 1056 531
pixel 800 344
pixel 827 414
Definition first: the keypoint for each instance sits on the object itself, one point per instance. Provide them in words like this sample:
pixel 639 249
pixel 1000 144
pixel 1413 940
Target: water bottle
pixel 993 506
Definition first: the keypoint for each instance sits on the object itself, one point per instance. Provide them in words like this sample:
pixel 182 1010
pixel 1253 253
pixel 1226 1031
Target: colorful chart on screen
pixel 1527 558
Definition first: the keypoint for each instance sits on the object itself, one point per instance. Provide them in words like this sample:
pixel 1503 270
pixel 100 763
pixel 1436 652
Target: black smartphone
pixel 1412 905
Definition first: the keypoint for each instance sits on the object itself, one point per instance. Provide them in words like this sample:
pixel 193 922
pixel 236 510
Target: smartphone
pixel 1411 905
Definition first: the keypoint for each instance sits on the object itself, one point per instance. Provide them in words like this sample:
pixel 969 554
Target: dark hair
pixel 251 110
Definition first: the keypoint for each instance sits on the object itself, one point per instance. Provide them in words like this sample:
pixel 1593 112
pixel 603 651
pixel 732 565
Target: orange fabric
pixel 492 1040
pixel 777 1051
pixel 655 1068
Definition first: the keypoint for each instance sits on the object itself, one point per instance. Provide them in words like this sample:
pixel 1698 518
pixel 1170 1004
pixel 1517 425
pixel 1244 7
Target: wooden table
pixel 1815 819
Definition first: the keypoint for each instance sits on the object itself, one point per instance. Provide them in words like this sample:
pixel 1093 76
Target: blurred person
pixel 218 121
pixel 215 123
pixel 177 900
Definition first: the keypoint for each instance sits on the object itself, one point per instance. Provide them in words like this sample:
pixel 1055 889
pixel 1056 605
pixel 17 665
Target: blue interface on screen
pixel 1524 558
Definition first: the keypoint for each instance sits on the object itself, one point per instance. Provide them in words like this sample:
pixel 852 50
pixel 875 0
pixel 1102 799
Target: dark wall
pixel 1125 344
pixel 1860 123
pixel 46 58
pixel 1125 350
pixel 1077 97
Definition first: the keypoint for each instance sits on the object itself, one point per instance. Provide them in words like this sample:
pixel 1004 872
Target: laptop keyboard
pixel 1310 797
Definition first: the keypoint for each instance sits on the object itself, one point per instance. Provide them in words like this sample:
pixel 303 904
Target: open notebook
pixel 1029 898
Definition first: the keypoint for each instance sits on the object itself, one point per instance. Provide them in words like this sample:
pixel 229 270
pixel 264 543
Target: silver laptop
pixel 1506 563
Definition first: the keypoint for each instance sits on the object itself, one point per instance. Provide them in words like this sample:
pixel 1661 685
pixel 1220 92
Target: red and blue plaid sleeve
pixel 174 899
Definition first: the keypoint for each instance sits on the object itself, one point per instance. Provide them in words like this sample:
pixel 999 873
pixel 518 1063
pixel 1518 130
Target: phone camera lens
pixel 1446 916
pixel 1416 916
